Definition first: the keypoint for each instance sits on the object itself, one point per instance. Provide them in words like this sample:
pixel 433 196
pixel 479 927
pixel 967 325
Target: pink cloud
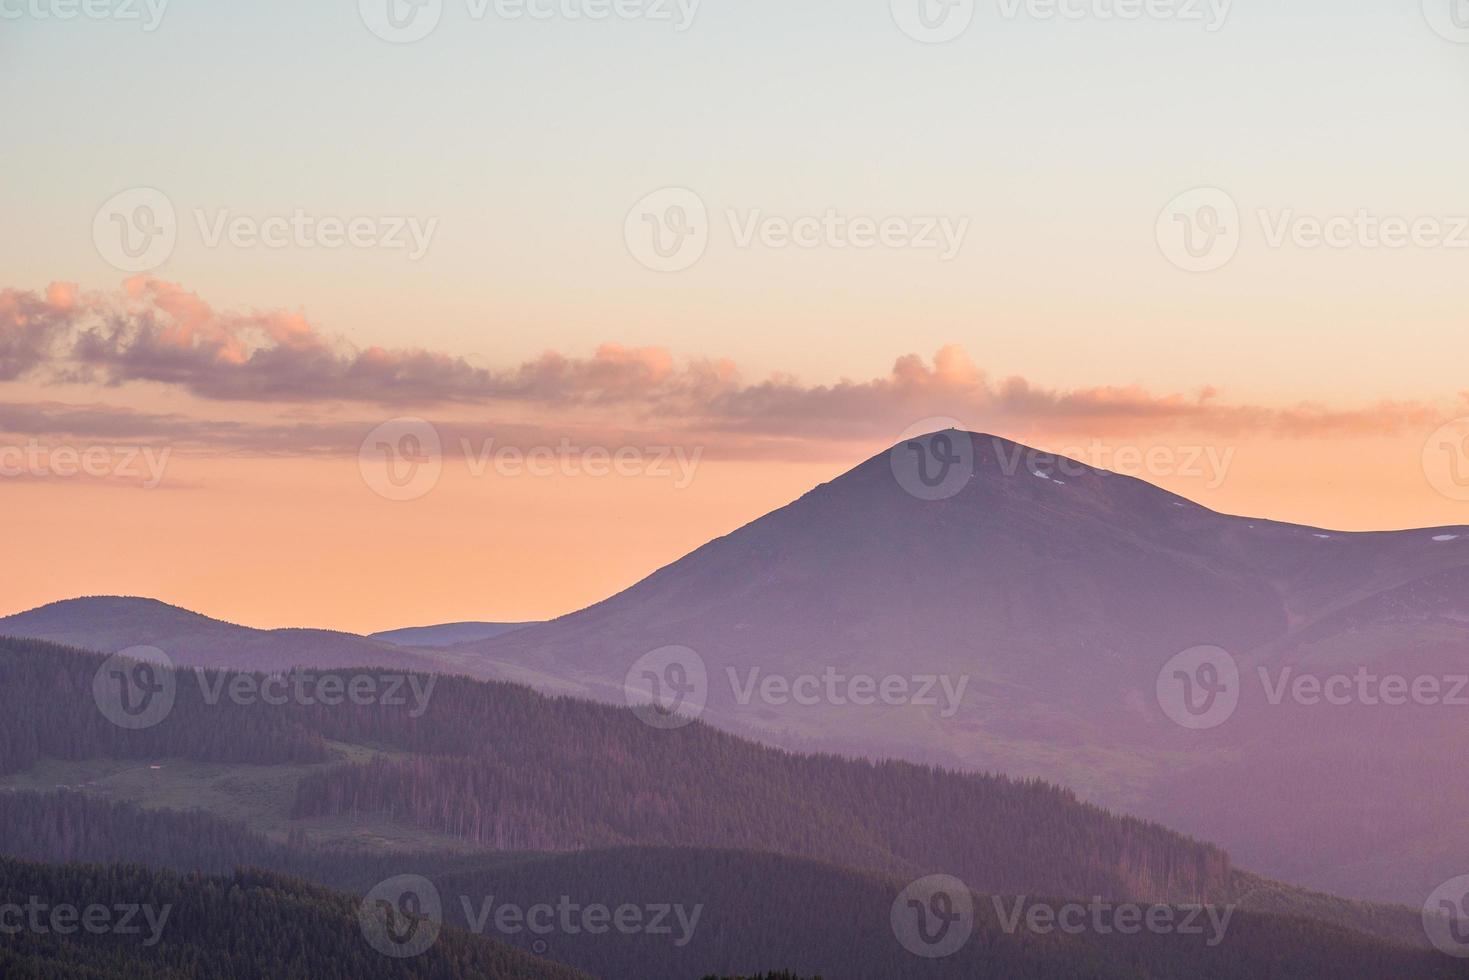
pixel 157 332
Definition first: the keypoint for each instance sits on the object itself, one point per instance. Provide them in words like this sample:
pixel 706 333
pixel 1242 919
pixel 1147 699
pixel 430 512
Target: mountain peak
pixel 69 611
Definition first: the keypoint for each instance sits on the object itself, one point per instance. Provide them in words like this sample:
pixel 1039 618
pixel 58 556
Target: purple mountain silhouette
pixel 1060 592
pixel 112 623
pixel 1031 613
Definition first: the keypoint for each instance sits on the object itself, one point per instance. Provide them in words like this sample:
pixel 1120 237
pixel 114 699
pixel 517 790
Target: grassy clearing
pixel 258 796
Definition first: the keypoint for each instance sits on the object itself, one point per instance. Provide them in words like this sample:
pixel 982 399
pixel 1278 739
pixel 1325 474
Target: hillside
pixel 108 624
pixel 501 765
pixel 739 912
pixel 446 634
pixel 244 924
pixel 495 767
pixel 1060 591
pixel 1049 596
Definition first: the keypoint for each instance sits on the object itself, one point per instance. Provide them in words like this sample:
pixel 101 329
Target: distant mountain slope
pixel 112 623
pixel 446 635
pixel 1057 592
pixel 244 924
pixel 1061 591
pixel 503 766
pixel 617 782
pixel 1087 580
pixel 764 911
pixel 753 910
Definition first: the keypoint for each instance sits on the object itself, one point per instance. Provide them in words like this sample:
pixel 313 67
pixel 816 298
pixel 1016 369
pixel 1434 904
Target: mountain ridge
pixel 1060 596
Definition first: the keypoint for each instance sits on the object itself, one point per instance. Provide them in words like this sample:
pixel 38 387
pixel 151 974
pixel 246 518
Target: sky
pixel 762 238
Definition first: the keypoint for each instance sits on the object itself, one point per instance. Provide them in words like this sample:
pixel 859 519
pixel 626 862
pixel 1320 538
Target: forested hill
pixel 501 765
pixel 66 825
pixel 158 925
pixel 755 912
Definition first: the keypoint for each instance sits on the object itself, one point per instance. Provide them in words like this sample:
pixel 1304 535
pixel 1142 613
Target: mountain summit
pixel 111 623
pixel 966 600
pixel 1056 593
pixel 1038 572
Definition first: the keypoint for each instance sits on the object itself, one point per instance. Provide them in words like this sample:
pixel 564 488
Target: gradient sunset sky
pixel 1319 373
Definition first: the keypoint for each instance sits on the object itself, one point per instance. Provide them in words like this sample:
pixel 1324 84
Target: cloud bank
pixel 157 333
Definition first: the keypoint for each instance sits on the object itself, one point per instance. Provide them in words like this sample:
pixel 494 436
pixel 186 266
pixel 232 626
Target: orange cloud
pixel 159 333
